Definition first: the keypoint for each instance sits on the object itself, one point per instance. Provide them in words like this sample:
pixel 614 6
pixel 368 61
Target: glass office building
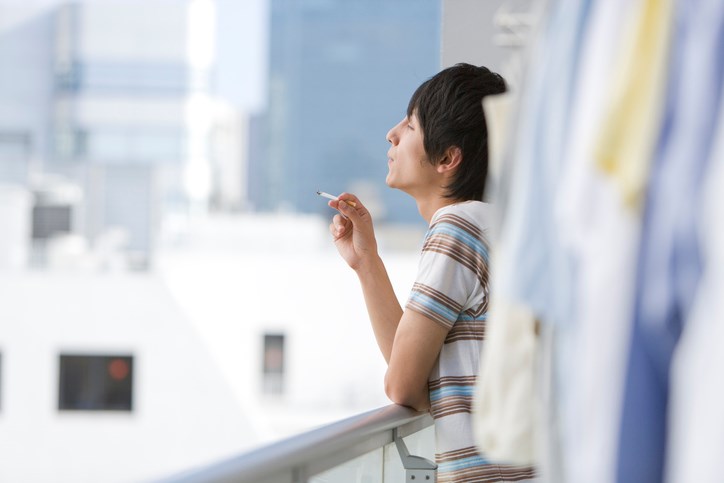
pixel 340 75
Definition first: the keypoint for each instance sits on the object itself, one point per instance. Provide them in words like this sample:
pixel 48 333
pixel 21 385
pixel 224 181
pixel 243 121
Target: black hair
pixel 450 111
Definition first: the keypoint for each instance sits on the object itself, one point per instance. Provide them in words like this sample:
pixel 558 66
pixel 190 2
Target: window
pixel 49 220
pixel 273 364
pixel 96 383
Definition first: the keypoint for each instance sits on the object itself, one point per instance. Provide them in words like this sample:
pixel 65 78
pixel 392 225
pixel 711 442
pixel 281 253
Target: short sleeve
pixel 453 270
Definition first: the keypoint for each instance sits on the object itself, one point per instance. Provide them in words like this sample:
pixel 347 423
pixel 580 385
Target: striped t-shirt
pixel 452 289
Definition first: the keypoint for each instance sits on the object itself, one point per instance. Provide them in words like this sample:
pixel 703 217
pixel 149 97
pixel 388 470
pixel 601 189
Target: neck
pixel 428 207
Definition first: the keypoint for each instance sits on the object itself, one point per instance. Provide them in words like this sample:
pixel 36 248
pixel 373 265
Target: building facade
pixel 341 73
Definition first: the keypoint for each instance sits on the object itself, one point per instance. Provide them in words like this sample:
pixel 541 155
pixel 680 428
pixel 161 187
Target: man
pixel 439 156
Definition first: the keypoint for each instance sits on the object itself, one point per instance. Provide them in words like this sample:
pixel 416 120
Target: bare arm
pixel 416 348
pixel 355 240
pixel 410 342
pixel 382 305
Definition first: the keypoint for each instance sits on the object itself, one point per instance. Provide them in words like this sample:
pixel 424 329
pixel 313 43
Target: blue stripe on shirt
pixel 434 306
pixel 468 318
pixel 447 391
pixel 462 463
pixel 461 235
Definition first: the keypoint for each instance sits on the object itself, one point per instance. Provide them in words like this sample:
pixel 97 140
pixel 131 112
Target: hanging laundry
pixel 532 267
pixel 602 233
pixel 670 262
pixel 629 134
pixel 535 270
pixel 696 429
pixel 610 196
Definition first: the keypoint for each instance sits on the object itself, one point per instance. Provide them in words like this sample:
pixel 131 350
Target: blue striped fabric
pixel 447 391
pixel 434 306
pixel 451 289
pixel 461 235
pixel 468 318
pixel 461 464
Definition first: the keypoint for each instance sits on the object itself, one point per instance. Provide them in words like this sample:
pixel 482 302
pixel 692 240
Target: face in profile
pixel 408 164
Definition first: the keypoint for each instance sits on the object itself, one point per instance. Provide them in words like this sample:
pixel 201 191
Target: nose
pixel 393 134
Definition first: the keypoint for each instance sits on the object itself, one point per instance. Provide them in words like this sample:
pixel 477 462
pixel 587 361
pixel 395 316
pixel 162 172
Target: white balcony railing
pixel 358 449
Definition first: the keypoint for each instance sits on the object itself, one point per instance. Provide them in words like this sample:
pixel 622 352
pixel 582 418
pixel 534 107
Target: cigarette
pixel 331 197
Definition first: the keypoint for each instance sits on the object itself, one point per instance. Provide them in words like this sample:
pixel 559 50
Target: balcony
pixel 362 448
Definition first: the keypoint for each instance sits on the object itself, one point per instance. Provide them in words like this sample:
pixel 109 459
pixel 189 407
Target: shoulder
pixel 460 233
pixel 473 217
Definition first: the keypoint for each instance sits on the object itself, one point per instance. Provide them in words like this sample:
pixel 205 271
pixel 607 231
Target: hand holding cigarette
pixel 352 230
pixel 332 197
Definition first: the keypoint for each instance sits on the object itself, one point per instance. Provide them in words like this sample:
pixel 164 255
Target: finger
pixel 339 221
pixel 339 226
pixel 335 204
pixel 351 199
pixel 348 211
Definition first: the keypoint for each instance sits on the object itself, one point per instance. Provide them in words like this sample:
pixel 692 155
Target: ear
pixel 451 160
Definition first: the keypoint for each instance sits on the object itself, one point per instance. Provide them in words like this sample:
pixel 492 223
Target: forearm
pixel 383 307
pixel 406 394
pixel 418 342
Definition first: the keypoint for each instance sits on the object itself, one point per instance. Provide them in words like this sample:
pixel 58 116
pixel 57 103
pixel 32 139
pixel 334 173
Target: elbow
pixel 406 395
pixel 398 395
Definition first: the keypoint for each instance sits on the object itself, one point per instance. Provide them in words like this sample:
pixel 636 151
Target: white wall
pixel 184 414
pixel 195 330
pixel 470 33
pixel 15 213
pixel 282 274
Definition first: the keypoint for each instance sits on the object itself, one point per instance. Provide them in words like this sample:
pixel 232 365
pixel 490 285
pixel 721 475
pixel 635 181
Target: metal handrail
pixel 296 459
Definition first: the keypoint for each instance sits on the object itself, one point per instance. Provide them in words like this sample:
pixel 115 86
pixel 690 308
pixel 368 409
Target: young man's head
pixel 449 109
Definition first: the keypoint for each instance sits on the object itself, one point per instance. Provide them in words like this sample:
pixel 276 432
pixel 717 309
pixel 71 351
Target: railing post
pixel 417 468
pixel 299 475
